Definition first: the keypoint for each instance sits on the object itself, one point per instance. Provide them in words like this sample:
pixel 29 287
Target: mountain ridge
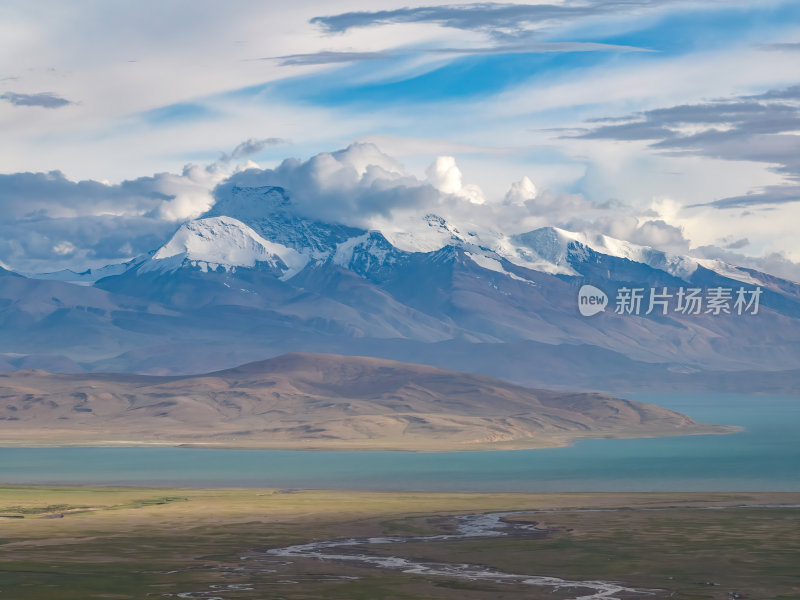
pixel 225 290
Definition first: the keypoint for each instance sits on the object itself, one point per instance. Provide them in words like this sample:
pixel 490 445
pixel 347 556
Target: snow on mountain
pixel 548 249
pixel 486 261
pixel 674 264
pixel 268 211
pixel 372 246
pixel 257 227
pixel 562 249
pixel 87 277
pixel 227 243
pixel 432 232
pixel 426 234
pixel 535 250
pixel 548 245
pixel 729 271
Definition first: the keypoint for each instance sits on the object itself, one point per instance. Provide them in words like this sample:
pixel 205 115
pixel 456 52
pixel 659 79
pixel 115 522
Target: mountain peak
pixel 566 248
pixel 549 243
pixel 224 242
pixel 246 203
pixel 268 210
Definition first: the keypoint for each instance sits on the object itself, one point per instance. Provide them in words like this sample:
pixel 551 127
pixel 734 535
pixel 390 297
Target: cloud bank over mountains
pixel 53 222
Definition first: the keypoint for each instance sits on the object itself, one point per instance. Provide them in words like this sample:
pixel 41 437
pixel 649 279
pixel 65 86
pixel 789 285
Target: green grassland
pixel 65 543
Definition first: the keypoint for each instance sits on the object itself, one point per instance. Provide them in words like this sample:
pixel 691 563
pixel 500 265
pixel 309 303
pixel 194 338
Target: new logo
pixel 591 300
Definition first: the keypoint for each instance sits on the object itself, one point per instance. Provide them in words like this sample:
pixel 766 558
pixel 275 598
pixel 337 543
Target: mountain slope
pixel 319 401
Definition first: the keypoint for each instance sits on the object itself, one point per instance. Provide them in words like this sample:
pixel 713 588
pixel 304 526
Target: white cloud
pixel 64 248
pixel 521 191
pixel 51 221
pixel 189 193
pixel 349 186
pixel 446 177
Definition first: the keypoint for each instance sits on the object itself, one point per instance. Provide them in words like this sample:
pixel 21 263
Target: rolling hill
pixel 304 401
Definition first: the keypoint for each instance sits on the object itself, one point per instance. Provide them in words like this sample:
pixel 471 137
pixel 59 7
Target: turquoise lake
pixel 764 457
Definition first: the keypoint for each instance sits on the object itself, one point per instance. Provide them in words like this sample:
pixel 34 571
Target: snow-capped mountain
pixel 267 210
pixel 224 243
pixel 251 279
pixel 257 228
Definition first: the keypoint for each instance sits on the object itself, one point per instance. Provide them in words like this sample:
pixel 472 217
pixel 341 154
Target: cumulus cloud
pixel 42 99
pixel 521 191
pixel 64 248
pixel 168 196
pixel 363 187
pixel 47 244
pixel 654 233
pixel 187 195
pixel 446 177
pixel 659 234
pixel 52 222
pixel 348 186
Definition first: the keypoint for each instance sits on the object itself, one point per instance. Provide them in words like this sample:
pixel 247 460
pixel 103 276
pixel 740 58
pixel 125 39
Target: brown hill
pixel 317 401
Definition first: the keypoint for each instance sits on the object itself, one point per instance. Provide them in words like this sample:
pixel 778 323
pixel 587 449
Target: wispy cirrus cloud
pixel 328 57
pixel 42 99
pixel 781 46
pixel 768 196
pixel 251 146
pixel 332 57
pixel 758 128
pixel 501 20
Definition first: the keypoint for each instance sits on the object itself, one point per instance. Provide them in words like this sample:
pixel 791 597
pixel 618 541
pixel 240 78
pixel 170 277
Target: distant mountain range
pixel 251 279
pixel 303 401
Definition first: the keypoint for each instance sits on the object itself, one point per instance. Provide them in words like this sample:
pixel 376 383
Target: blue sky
pixel 587 100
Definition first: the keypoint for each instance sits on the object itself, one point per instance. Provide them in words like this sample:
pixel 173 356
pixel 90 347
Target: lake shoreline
pixel 547 442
